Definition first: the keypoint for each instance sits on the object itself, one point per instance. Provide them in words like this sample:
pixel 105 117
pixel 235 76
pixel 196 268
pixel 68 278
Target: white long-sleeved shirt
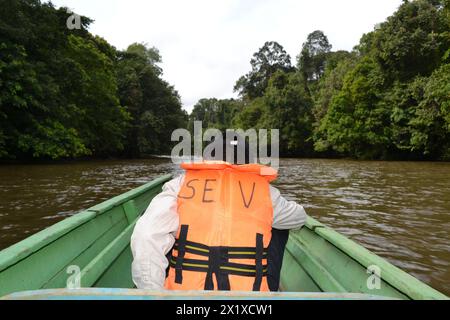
pixel 155 232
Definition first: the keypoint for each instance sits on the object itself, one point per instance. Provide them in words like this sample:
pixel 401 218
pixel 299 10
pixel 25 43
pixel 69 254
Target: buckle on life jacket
pixel 218 261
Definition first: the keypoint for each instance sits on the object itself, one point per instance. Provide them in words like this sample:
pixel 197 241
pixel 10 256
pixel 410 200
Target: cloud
pixel 207 45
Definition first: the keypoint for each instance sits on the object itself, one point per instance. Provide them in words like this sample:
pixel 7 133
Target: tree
pixel 355 123
pixel 338 64
pixel 149 55
pixel 420 119
pixel 66 93
pixel 270 58
pixel 389 100
pixel 92 90
pixel 291 107
pixel 215 113
pixel 311 61
pixel 286 106
pixel 412 41
pixel 154 105
pixel 36 105
pixel 255 114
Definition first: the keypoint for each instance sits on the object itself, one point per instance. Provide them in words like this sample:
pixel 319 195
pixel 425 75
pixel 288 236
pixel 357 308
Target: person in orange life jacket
pixel 221 245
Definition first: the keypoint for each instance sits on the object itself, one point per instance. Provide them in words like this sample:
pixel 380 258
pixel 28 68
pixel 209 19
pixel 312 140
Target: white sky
pixel 206 45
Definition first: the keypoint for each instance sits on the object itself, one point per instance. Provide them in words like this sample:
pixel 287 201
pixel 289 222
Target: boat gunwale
pixel 394 276
pixel 21 250
pixel 133 294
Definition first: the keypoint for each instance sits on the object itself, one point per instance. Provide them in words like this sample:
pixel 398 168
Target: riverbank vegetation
pixel 68 94
pixel 389 98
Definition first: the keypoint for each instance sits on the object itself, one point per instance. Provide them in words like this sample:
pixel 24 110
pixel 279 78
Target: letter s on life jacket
pixel 225 228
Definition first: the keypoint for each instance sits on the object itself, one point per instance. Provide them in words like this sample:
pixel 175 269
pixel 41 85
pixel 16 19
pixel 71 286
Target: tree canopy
pixel 387 99
pixel 270 58
pixel 313 55
pixel 66 93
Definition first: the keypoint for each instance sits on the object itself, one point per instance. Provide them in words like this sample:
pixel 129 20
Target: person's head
pixel 235 150
pixel 238 150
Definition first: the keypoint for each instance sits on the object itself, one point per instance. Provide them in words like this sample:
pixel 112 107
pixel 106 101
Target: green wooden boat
pixel 319 263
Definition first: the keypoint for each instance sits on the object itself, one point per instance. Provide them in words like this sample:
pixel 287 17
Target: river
pixel 399 210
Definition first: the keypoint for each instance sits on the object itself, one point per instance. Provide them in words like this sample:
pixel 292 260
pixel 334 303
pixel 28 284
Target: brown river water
pixel 399 210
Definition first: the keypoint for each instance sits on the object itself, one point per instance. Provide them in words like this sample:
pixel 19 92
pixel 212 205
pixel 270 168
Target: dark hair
pixel 227 146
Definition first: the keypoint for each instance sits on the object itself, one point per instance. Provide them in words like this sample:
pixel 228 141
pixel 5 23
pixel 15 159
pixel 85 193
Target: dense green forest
pixel 66 93
pixel 387 99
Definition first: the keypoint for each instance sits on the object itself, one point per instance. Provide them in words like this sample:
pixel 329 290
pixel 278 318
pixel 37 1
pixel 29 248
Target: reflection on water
pixel 399 210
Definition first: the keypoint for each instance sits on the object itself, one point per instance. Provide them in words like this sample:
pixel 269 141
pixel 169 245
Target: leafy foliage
pixel 270 58
pixel 154 105
pixel 215 113
pixel 393 101
pixel 313 55
pixel 64 93
pixel 388 99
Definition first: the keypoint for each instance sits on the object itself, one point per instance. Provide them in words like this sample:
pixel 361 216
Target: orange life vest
pixel 225 228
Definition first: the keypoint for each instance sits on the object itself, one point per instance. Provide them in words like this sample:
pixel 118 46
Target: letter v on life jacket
pixel 225 228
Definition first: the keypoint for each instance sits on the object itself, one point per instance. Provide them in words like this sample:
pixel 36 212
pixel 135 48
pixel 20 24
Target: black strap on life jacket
pixel 181 251
pixel 217 258
pixel 238 269
pixel 218 261
pixel 230 252
pixel 258 261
